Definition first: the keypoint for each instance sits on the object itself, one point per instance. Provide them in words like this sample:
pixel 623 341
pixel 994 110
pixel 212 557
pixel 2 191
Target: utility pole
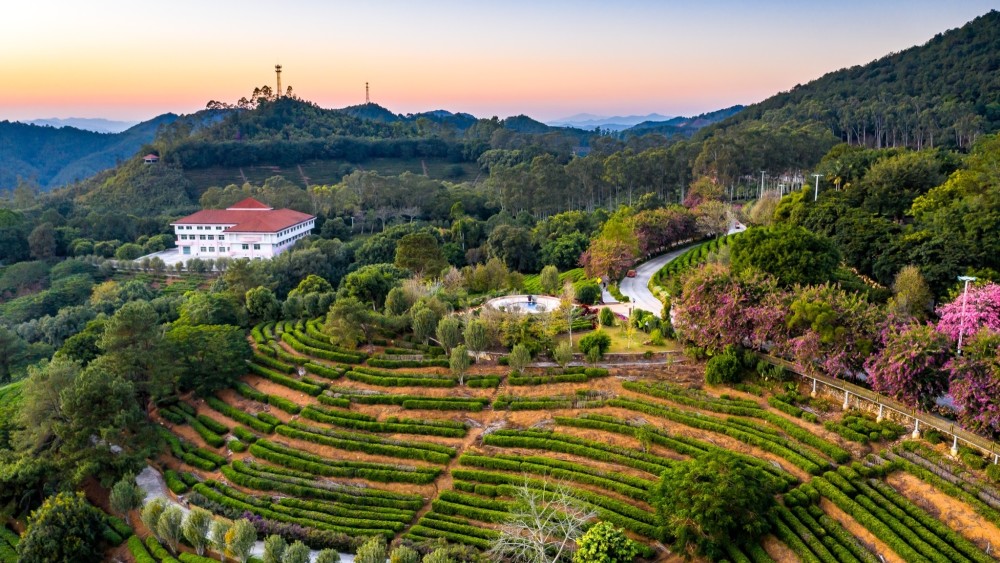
pixel 965 299
pixel 816 193
pixel 760 194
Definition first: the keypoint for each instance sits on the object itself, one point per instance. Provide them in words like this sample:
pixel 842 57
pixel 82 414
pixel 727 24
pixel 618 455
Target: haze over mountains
pixel 95 124
pixel 614 123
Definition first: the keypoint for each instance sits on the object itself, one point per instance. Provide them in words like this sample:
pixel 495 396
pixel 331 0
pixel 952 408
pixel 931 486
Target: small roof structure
pixel 150 158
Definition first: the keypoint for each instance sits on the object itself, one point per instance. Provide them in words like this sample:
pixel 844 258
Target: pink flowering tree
pixel 975 382
pixel 713 307
pixel 911 365
pixel 982 310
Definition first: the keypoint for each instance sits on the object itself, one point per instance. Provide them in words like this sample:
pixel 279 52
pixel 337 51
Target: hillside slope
pixel 942 92
pixel 54 157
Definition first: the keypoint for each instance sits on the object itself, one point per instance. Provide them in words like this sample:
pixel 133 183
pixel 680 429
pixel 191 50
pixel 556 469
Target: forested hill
pixel 682 125
pixel 54 157
pixel 944 92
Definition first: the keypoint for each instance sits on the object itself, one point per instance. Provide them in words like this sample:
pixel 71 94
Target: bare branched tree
pixel 543 526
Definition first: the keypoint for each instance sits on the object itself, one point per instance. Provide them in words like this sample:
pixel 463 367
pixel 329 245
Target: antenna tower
pixel 277 71
pixel 367 99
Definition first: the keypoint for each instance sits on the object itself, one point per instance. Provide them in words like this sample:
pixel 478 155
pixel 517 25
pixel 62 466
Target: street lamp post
pixel 816 193
pixel 965 299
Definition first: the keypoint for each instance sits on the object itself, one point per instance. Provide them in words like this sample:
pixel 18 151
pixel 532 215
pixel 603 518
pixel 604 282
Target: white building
pixel 248 229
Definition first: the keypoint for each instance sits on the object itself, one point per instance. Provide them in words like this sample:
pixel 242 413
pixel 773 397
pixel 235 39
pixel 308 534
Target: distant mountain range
pixel 95 124
pixel 590 121
pixel 54 157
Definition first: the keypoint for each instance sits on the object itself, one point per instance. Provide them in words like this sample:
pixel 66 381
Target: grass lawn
pixel 620 344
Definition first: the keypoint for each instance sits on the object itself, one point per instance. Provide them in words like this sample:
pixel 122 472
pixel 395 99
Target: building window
pixel 211 237
pixel 211 249
pixel 203 249
pixel 256 247
pixel 187 249
pixel 246 247
pixel 222 237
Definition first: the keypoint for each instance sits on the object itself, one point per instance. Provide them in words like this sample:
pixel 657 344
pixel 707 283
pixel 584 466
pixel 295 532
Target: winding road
pixel 637 288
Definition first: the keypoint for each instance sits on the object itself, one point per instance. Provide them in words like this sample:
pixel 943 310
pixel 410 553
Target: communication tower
pixel 367 99
pixel 277 71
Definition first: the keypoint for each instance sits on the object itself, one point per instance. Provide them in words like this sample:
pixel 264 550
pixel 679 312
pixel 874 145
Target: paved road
pixel 637 288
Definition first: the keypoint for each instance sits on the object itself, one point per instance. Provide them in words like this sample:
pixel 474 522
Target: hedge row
pixel 138 551
pixel 454 524
pixel 158 551
pixel 867 519
pixel 393 364
pixel 839 551
pixel 742 434
pixel 784 407
pixel 317 465
pixel 482 382
pixel 932 530
pixel 792 540
pixel 348 442
pixel 341 402
pixel 377 500
pixel 733 406
pixel 347 509
pixel 843 537
pixel 191 455
pixel 210 437
pixel 840 455
pixel 475 513
pixel 323 371
pixel 619 513
pixel 319 352
pixel 239 416
pixel 438 403
pixel 680 444
pixel 410 427
pixel 442 405
pixel 258 334
pixel 287 357
pixel 245 390
pixel 584 475
pixel 289 382
pixel 174 482
pixel 316 339
pixel 421 531
pixel 951 489
pixel 569 375
pixel 186 557
pixel 401 380
pixel 263 480
pixel 244 505
pixel 552 441
pixel 272 363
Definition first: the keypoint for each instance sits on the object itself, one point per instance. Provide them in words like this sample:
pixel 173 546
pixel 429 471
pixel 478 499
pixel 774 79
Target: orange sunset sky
pixel 547 59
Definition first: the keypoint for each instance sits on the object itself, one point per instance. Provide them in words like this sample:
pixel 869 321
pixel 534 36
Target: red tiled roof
pixel 247 221
pixel 151 156
pixel 249 203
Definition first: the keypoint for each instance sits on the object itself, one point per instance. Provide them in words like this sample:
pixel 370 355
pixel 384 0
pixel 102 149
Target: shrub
pixel 597 340
pixel 606 317
pixel 587 292
pixel 724 368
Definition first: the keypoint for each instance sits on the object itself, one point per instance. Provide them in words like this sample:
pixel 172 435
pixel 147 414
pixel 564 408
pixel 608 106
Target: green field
pixel 323 172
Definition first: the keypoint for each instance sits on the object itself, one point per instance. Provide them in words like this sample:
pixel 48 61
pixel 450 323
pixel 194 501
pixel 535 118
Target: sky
pixel 545 58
